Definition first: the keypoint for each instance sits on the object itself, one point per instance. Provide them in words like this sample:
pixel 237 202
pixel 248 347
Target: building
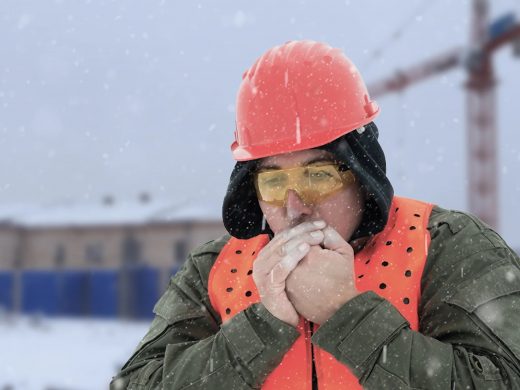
pixel 127 244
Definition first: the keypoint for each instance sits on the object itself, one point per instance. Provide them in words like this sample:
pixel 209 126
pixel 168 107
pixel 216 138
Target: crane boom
pixel 480 102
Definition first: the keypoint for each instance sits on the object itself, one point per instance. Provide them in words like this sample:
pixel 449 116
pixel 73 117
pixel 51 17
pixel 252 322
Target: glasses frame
pixel 347 179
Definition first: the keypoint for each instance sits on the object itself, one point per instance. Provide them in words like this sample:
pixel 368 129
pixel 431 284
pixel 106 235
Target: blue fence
pixel 103 297
pixel 145 291
pixel 6 290
pixel 40 292
pixel 73 292
pixel 94 293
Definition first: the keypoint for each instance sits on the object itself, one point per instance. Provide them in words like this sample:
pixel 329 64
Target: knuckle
pixel 307 237
pixel 274 275
pixel 284 270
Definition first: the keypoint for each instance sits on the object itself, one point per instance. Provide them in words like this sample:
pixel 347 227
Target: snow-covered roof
pixel 191 212
pixel 118 213
pixel 9 213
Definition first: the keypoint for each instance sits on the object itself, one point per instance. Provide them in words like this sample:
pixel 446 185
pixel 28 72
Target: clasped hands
pixel 307 270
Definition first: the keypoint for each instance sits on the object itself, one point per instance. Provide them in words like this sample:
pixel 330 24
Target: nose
pixel 295 206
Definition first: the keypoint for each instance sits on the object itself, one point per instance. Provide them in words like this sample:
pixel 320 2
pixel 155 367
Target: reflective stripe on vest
pixel 390 264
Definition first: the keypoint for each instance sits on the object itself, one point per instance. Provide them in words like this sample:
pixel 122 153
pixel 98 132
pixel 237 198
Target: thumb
pixel 333 241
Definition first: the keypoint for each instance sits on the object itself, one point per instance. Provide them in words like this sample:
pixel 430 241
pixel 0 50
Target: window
pixel 180 251
pixel 94 254
pixel 131 250
pixel 60 255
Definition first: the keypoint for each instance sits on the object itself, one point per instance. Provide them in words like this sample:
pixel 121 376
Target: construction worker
pixel 326 279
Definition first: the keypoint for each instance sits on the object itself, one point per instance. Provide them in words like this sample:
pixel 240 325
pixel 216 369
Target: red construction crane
pixel 481 126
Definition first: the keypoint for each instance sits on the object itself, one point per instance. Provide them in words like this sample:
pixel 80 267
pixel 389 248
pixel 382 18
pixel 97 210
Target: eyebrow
pixel 308 162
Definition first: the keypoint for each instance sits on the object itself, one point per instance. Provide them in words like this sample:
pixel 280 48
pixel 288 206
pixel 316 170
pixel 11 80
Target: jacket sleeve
pixel 187 347
pixel 469 315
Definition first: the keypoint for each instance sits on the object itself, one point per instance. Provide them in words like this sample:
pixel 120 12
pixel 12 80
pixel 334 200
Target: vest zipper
pixel 307 326
pixel 314 375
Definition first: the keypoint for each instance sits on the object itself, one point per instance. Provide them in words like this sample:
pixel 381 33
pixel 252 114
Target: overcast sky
pixel 120 97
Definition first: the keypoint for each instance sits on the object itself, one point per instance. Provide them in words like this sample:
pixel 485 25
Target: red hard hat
pixel 297 96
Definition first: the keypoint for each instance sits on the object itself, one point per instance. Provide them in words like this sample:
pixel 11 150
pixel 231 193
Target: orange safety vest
pixel 391 265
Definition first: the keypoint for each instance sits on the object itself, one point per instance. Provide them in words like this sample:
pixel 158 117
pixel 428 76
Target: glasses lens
pixel 272 185
pixel 312 182
pixel 321 179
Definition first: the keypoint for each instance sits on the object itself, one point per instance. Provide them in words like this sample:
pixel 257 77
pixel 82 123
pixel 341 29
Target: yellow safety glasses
pixel 312 182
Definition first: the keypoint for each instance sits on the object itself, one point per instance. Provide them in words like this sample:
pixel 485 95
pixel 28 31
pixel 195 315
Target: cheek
pixel 346 202
pixel 354 196
pixel 273 215
pixel 343 211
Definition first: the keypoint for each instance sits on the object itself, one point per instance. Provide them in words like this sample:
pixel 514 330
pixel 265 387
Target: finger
pixel 305 227
pixel 281 271
pixel 284 236
pixel 312 238
pixel 268 263
pixel 333 241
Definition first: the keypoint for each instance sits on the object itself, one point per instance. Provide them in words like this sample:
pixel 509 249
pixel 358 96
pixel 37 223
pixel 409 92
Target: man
pixel 328 280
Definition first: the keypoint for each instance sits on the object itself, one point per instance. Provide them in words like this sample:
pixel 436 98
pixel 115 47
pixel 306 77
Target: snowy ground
pixel 40 353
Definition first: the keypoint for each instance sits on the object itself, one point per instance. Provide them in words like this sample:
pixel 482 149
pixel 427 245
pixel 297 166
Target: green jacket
pixel 469 317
